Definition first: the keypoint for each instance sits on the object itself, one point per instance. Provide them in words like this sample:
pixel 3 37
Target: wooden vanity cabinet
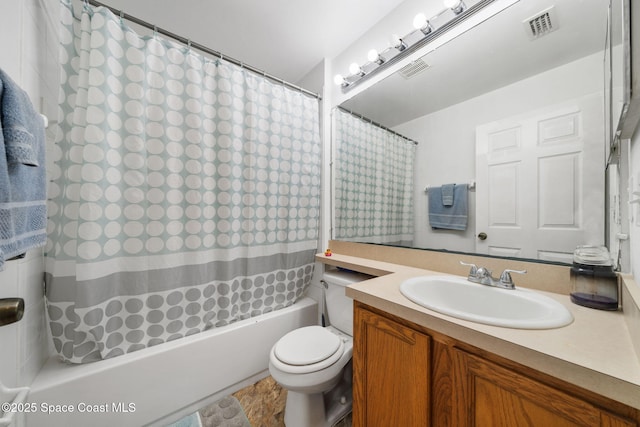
pixel 491 395
pixel 405 375
pixel 390 371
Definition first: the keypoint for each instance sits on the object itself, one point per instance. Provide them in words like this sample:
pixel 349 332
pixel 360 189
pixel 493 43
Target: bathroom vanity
pixel 417 367
pixel 406 374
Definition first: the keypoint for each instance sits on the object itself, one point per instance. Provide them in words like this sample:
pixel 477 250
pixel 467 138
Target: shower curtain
pixel 184 194
pixel 373 170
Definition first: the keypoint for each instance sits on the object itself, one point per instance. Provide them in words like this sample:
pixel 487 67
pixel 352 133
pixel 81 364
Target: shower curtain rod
pixel 202 48
pixel 360 116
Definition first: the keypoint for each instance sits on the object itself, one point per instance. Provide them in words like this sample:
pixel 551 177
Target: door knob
pixel 482 236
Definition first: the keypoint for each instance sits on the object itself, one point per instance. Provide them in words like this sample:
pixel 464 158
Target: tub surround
pixel 168 381
pixel 596 352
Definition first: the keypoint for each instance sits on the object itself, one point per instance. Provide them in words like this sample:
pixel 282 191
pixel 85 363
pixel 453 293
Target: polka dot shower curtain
pixel 184 194
pixel 373 170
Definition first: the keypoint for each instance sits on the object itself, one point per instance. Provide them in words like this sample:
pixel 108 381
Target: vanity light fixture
pixel 426 29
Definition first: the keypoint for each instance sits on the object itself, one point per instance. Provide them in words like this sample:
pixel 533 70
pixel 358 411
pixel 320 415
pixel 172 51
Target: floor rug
pixel 226 412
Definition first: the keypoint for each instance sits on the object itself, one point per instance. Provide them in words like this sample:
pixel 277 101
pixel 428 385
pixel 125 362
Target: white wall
pixel 446 152
pixel 29 54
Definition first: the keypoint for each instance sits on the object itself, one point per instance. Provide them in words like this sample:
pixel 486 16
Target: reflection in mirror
pixel 373 171
pixel 522 115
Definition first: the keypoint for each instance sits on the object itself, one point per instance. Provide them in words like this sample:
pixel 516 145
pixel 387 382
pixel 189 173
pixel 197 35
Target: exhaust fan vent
pixel 413 68
pixel 541 24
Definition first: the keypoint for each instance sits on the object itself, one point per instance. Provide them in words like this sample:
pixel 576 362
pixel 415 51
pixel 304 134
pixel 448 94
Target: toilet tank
pixel 339 306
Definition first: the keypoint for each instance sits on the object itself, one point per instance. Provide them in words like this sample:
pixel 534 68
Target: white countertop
pixel 594 352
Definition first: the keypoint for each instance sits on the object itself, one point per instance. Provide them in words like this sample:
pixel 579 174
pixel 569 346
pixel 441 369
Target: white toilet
pixel 314 363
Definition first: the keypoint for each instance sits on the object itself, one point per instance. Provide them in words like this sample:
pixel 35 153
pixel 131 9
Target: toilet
pixel 314 363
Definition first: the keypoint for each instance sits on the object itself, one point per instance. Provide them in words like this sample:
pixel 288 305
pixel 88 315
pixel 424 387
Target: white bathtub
pixel 158 385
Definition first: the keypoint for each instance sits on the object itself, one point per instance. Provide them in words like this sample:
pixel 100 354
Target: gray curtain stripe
pixel 91 292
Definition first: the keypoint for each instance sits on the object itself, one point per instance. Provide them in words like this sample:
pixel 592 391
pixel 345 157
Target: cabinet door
pixel 391 373
pixel 491 395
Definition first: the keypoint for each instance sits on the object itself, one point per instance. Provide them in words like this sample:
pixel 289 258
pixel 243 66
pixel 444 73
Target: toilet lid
pixel 306 346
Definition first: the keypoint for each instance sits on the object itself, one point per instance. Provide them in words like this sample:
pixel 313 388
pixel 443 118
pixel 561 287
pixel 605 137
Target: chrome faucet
pixel 484 276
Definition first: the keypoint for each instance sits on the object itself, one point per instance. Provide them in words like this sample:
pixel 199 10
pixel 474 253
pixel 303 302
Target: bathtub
pixel 161 384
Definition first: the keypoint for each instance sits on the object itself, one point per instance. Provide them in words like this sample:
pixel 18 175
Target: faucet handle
pixel 484 272
pixel 474 268
pixel 505 277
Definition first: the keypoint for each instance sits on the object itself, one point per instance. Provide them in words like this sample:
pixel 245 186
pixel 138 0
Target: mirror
pixel 495 87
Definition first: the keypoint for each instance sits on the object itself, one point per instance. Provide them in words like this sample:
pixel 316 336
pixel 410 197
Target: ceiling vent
pixel 541 23
pixel 413 68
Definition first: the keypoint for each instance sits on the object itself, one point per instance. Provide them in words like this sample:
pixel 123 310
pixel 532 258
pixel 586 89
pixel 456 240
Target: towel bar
pixel 472 186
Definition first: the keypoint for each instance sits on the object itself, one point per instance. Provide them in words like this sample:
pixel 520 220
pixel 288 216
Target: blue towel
pixel 23 212
pixel 452 217
pixel 447 194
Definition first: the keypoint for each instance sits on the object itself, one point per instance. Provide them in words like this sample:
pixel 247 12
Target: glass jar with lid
pixel 594 284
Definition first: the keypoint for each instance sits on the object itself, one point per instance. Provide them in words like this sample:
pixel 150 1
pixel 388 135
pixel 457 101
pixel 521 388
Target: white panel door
pixel 540 182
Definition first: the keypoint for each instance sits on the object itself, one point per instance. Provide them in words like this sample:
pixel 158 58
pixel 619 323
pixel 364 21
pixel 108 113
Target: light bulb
pixel 372 55
pixel 354 68
pixel 338 79
pixel 419 21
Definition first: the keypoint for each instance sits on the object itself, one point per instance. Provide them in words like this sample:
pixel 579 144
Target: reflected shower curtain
pixel 185 192
pixel 373 182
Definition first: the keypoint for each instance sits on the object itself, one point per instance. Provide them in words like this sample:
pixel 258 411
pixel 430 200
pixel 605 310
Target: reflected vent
pixel 541 24
pixel 414 68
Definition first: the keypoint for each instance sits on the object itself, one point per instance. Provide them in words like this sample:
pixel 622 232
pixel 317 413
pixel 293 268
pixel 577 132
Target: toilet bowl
pixel 314 363
pixel 306 383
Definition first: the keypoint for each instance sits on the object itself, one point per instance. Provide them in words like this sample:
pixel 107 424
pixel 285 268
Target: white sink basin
pixel 509 308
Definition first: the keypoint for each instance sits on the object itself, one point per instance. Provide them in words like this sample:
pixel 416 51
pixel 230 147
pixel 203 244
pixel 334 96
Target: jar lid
pixel 592 255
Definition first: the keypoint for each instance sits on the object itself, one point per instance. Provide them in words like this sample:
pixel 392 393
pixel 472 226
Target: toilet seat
pixel 306 350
